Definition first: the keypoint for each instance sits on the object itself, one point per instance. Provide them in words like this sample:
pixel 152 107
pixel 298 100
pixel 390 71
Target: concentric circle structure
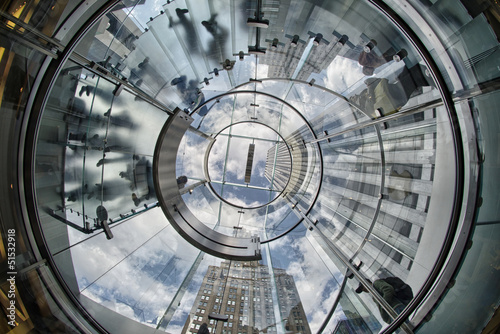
pixel 250 166
pixel 265 146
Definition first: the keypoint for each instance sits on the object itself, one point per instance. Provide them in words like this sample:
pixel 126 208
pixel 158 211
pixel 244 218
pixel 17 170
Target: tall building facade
pixel 249 295
pixel 393 168
pixel 278 166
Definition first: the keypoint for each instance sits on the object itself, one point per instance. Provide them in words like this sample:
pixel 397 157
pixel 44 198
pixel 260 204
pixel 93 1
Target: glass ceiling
pixel 330 184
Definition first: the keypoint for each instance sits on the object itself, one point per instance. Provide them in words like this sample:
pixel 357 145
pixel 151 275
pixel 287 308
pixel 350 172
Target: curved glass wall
pixel 327 131
pixel 354 180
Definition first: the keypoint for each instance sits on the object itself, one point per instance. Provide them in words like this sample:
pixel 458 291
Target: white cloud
pixel 130 275
pixel 342 74
pixel 312 278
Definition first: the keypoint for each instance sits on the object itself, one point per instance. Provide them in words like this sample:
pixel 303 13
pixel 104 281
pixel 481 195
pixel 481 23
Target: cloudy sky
pixel 139 271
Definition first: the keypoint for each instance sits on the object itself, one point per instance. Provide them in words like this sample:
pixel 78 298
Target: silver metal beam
pixel 243 185
pixel 106 74
pixel 176 210
pixel 248 137
pixel 410 111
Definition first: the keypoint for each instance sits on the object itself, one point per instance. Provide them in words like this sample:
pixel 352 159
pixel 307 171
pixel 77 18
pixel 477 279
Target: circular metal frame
pixel 318 148
pixel 235 92
pixel 176 210
pixel 449 104
pixel 459 163
pixel 207 173
pixel 29 135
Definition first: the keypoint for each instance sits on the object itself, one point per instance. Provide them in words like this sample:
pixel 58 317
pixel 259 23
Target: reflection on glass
pixel 243 293
pixel 329 71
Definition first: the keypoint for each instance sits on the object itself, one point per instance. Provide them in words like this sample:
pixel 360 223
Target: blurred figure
pixel 190 93
pixel 217 45
pixel 203 329
pixel 371 61
pixel 190 33
pixel 395 292
pixel 387 97
pixel 141 181
pixel 125 157
pixel 108 191
pixel 181 181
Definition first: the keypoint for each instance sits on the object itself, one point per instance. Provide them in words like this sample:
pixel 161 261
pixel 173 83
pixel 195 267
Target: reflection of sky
pixel 139 278
pixel 147 264
pixel 146 271
pixel 138 272
pixel 233 158
pixel 140 14
pixel 317 282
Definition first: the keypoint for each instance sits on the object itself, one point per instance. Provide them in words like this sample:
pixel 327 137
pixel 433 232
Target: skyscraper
pixel 248 295
pixel 126 170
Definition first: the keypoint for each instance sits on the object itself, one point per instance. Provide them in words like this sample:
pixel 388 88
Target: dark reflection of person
pixel 395 292
pixel 107 191
pixel 217 49
pixel 77 106
pixel 146 73
pixel 93 89
pixel 94 142
pixel 86 89
pixel 125 157
pixel 74 195
pixel 140 176
pixel 123 120
pixel 137 74
pixel 370 61
pixel 181 181
pixel 190 93
pixel 390 97
pixel 190 33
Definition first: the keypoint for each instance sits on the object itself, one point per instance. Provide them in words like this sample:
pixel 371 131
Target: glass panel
pixel 469 33
pixel 356 313
pixel 316 282
pixel 35 299
pixel 147 272
pixel 471 302
pixel 108 163
pixel 42 16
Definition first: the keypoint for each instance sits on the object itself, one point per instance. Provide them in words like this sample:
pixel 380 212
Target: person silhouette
pixel 395 292
pixel 219 34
